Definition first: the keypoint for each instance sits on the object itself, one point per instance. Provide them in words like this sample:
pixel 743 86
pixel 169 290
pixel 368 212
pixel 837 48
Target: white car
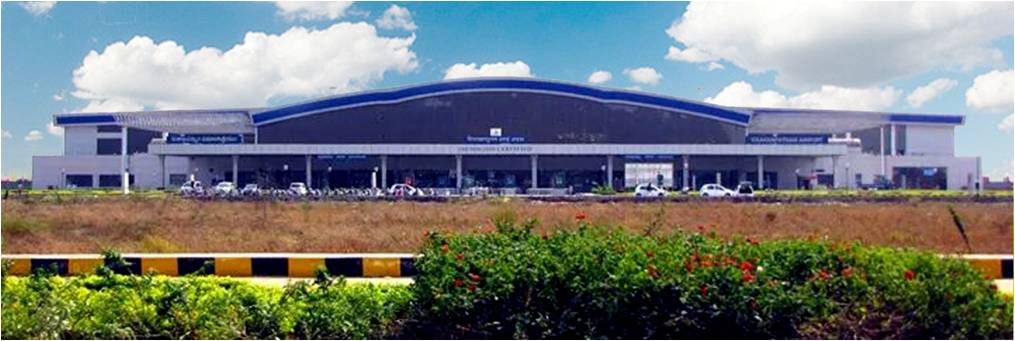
pixel 649 190
pixel 404 190
pixel 225 188
pixel 745 190
pixel 191 188
pixel 250 190
pixel 715 190
pixel 298 188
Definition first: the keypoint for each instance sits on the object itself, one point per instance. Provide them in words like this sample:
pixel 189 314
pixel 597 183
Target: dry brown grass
pixel 165 225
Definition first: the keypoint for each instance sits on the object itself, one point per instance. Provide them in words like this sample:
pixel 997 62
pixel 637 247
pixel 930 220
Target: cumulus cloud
pixel 643 75
pixel 502 69
pixel 1002 172
pixel 37 8
pixel 396 17
pixel 33 135
pixel 742 94
pixel 853 44
pixel 59 96
pixel 600 77
pixel 297 63
pixel 53 129
pixel 312 10
pixel 714 66
pixel 1006 125
pixel 7 134
pixel 991 91
pixel 930 91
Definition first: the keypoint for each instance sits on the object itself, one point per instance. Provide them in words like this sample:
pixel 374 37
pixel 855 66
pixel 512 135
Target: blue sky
pixel 789 54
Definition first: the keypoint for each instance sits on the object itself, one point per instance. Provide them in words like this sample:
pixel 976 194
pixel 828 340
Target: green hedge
pixel 604 283
pixel 158 307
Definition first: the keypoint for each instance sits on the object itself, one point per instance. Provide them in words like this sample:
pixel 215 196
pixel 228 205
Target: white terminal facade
pixel 508 133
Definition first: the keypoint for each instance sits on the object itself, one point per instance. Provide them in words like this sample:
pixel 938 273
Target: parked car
pixel 745 189
pixel 715 190
pixel 224 188
pixel 649 190
pixel 298 188
pixel 250 190
pixel 404 190
pixel 192 187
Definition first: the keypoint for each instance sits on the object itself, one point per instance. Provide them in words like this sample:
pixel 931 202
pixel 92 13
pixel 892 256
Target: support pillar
pixel 309 170
pixel 458 172
pixel 893 140
pixel 882 137
pixel 718 178
pixel 535 171
pixel 761 172
pixel 162 166
pixel 236 170
pixel 609 171
pixel 685 178
pixel 384 171
pixel 125 169
pixel 835 179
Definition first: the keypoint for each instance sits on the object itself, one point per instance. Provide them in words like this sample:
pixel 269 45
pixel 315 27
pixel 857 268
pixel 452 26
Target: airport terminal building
pixel 509 133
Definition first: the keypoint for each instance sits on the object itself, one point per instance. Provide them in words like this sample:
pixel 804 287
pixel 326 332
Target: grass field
pixel 175 225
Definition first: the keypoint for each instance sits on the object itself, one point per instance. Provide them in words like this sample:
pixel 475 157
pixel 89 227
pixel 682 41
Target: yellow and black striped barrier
pixel 304 265
pixel 236 265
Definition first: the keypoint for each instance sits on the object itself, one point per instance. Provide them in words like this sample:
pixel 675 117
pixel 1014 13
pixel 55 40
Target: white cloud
pixel 714 66
pixel 37 8
pixel 853 44
pixel 644 75
pixel 59 96
pixel 633 87
pixel 299 62
pixel 600 77
pixel 312 10
pixel 1002 172
pixel 33 135
pixel 1006 125
pixel 53 129
pixel 930 91
pixel 991 91
pixel 742 94
pixel 504 69
pixel 396 17
pixel 7 134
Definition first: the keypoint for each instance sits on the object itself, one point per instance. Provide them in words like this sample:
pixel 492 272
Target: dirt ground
pixel 177 225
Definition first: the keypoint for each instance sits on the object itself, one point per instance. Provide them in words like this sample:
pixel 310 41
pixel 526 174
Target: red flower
pixel 689 266
pixel 747 277
pixel 444 248
pixel 472 287
pixel 752 241
pixel 580 216
pixel 746 266
pixel 652 271
pixel 910 275
pixel 650 254
pixel 704 290
pixel 847 272
pixel 701 228
pixel 460 256
pixel 823 274
pixel 474 277
pixel 459 282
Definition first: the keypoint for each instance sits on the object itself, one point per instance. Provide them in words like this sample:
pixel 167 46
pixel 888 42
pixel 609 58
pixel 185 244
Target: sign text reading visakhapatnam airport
pixel 787 139
pixel 204 139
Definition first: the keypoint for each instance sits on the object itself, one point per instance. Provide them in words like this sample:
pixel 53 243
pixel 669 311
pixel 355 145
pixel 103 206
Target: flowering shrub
pixel 597 282
pixel 157 307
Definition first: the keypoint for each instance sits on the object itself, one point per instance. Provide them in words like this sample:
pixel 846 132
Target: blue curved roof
pixel 501 84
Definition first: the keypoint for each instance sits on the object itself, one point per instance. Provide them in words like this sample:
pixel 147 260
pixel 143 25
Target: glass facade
pixel 518 117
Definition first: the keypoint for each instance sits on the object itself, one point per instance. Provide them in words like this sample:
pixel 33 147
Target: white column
pixel 882 137
pixel 893 140
pixel 685 180
pixel 609 171
pixel 718 178
pixel 535 171
pixel 309 171
pixel 761 171
pixel 125 178
pixel 236 170
pixel 162 165
pixel 458 172
pixel 384 171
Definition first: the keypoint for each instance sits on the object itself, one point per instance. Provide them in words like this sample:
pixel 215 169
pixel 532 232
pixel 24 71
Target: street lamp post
pixel 849 177
pixel 63 177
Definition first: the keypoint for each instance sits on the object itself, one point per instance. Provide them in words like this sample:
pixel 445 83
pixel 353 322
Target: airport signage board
pixel 204 139
pixel 787 138
pixel 494 139
pixel 341 157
